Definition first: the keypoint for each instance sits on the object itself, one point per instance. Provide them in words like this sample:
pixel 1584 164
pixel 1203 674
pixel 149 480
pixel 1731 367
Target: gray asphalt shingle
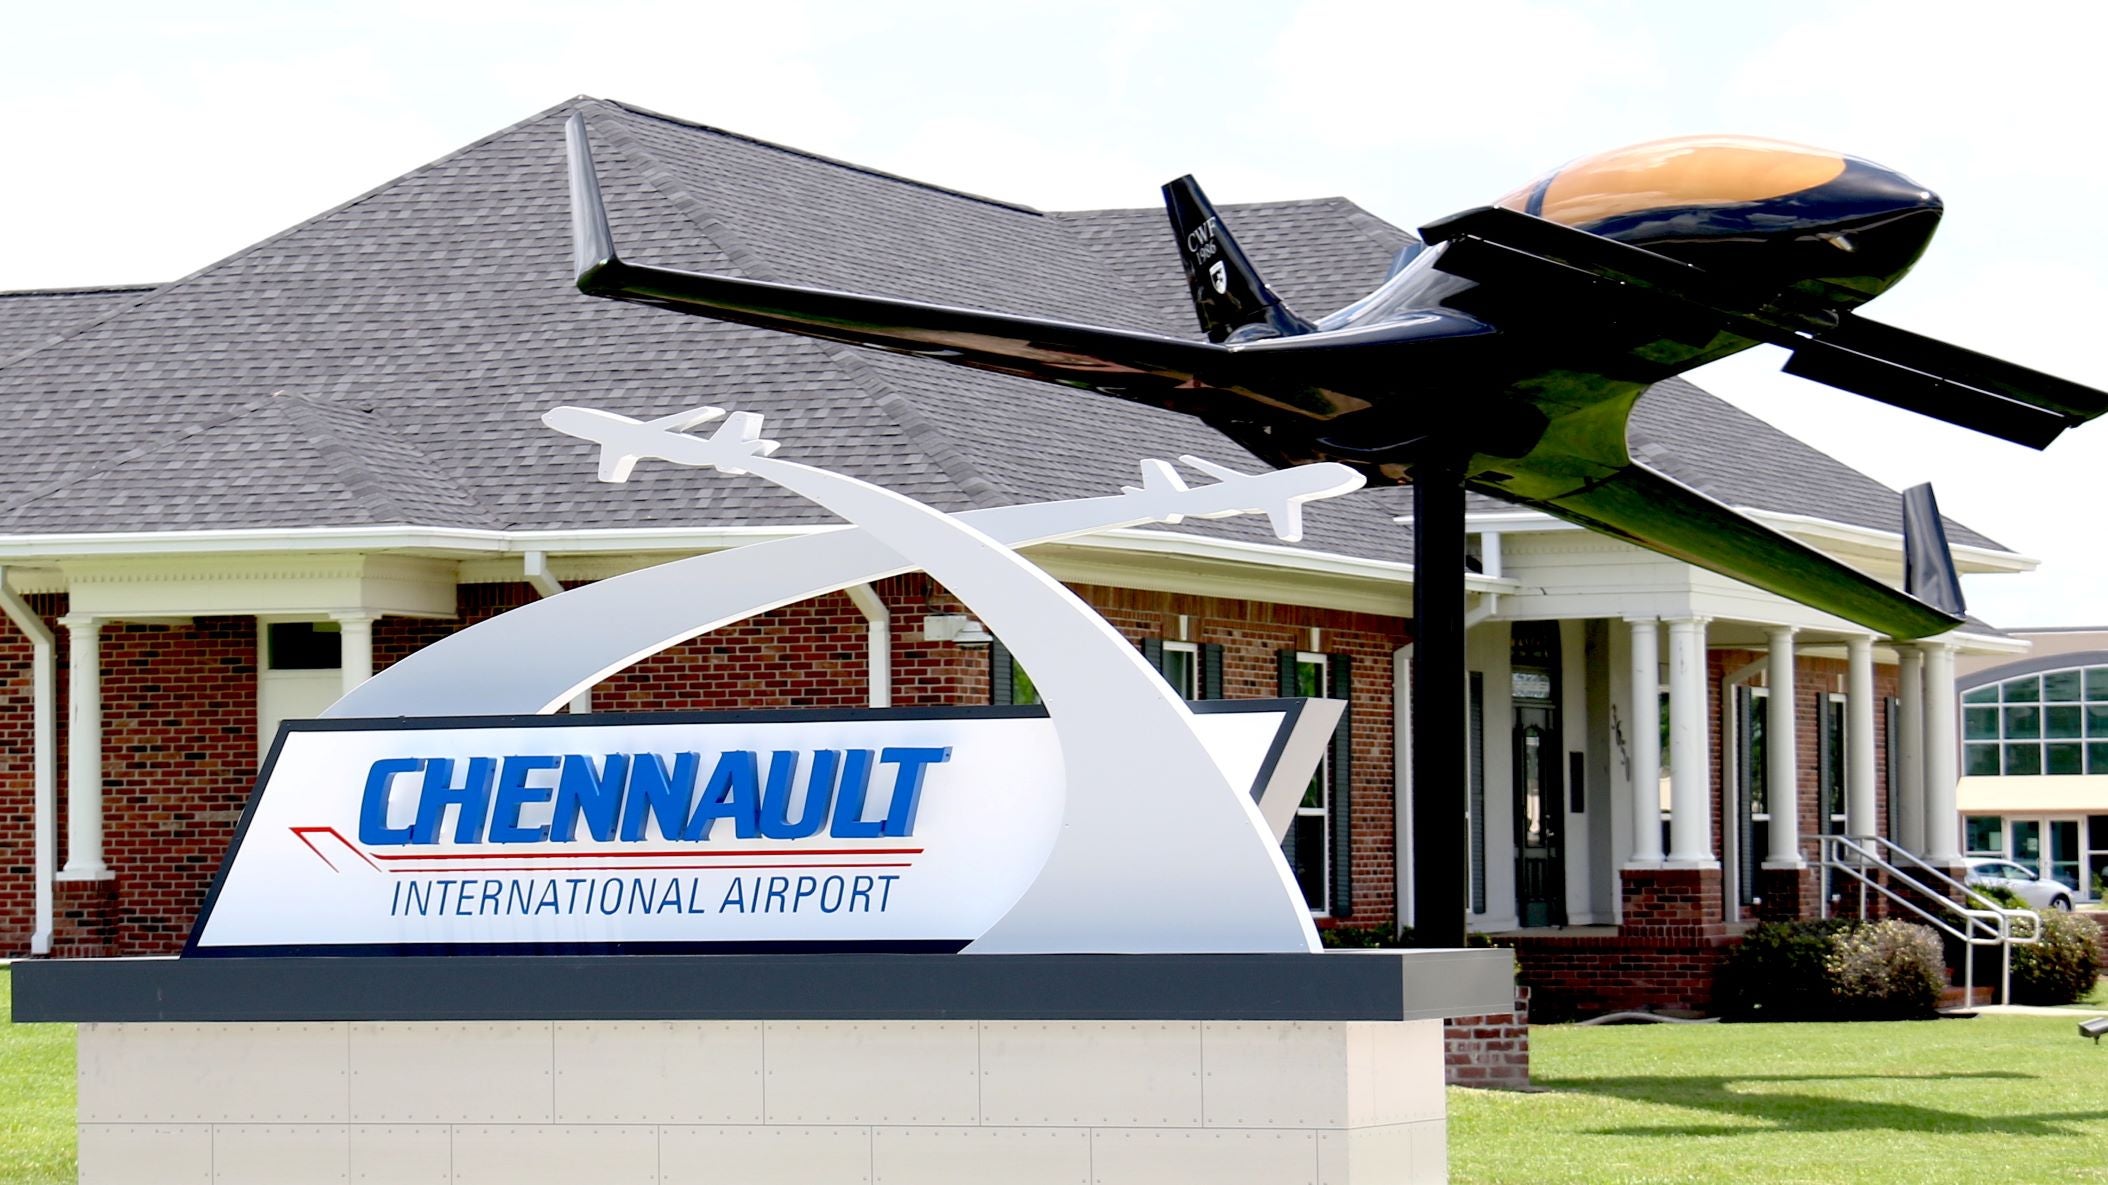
pixel 387 361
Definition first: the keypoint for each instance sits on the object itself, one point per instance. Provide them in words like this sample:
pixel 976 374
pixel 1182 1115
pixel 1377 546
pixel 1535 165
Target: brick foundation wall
pixel 1574 977
pixel 1491 1051
pixel 180 714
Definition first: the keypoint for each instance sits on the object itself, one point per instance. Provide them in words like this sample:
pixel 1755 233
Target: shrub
pixel 2061 966
pixel 1886 970
pixel 1779 971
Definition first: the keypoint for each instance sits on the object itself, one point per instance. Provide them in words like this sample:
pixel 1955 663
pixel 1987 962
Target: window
pixel 1752 775
pixel 1193 669
pixel 303 646
pixel 1317 844
pixel 1008 683
pixel 1984 835
pixel 2052 722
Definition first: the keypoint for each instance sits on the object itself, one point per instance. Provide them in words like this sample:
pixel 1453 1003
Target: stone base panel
pixel 764 1101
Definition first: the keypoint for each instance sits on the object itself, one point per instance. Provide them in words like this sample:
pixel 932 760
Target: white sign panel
pixel 913 830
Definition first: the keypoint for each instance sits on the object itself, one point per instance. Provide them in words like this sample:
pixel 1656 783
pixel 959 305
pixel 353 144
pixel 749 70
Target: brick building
pixel 234 496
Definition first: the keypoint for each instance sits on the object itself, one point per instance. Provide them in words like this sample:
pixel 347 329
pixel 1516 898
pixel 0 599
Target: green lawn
pixel 2008 1098
pixel 36 1098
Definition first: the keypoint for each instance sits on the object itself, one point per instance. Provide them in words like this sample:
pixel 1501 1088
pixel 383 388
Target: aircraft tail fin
pixel 1230 298
pixel 1928 564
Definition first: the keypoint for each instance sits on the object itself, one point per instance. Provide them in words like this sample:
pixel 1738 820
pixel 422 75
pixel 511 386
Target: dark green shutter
pixel 1211 670
pixel 1476 681
pixel 1153 654
pixel 1746 857
pixel 1286 659
pixel 1340 668
pixel 999 673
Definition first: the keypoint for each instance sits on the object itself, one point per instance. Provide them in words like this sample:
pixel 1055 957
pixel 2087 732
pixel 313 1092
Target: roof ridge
pixel 946 455
pixel 354 469
pixel 97 467
pixel 80 290
pixel 295 228
pixel 825 160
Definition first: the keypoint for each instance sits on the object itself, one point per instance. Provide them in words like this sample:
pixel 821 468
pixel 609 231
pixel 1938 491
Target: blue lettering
pixel 472 798
pixel 807 886
pixel 606 905
pixel 492 891
pixel 640 896
pixel 514 793
pixel 839 886
pixel 519 896
pixel 860 890
pixel 734 793
pixel 671 898
pixel 735 897
pixel 695 885
pixel 885 893
pixel 420 898
pixel 664 795
pixel 778 886
pixel 571 905
pixel 819 792
pixel 395 900
pixel 463 897
pixel 597 794
pixel 907 786
pixel 548 901
pixel 373 806
pixel 849 822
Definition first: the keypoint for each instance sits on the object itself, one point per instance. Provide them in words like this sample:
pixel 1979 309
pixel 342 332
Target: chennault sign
pixel 442 808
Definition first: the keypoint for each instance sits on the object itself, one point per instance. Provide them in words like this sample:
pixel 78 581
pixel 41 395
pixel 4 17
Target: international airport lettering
pixel 618 797
pixel 536 896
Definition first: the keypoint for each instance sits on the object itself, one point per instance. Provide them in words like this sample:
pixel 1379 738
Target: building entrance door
pixel 1540 864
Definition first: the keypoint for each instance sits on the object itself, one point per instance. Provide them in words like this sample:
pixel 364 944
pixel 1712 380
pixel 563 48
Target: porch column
pixel 84 860
pixel 357 648
pixel 1861 812
pixel 1942 827
pixel 1690 764
pixel 1644 737
pixel 1782 769
pixel 1910 748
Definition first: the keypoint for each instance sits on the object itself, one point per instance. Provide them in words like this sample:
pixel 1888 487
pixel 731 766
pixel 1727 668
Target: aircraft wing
pixel 1845 351
pixel 1662 514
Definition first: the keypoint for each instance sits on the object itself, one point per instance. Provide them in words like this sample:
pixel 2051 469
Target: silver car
pixel 2021 881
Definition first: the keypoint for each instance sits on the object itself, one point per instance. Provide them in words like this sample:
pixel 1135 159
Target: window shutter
pixel 999 672
pixel 1477 683
pixel 1340 669
pixel 1745 810
pixel 1211 670
pixel 1153 654
pixel 1286 661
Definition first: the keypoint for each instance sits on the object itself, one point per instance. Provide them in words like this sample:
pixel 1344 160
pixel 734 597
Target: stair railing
pixel 1977 919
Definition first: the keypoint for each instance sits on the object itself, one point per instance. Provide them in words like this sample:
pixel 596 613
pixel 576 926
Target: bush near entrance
pixel 2061 966
pixel 1833 969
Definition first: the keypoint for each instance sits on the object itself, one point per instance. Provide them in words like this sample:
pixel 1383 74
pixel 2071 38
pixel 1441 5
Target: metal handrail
pixel 1996 922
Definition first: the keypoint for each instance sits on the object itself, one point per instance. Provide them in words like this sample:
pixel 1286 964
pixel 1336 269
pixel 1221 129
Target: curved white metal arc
pixel 1151 827
pixel 553 649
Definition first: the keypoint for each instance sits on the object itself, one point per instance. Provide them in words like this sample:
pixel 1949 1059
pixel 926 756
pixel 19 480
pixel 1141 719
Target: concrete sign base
pixel 1153 1096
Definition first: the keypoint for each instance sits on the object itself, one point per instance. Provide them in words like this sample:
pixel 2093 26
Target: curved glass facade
pixel 2050 722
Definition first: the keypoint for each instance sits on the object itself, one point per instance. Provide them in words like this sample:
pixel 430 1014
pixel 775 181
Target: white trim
pixel 43 734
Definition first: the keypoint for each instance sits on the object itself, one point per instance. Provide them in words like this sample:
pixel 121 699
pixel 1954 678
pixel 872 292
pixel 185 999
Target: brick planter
pixel 1491 1051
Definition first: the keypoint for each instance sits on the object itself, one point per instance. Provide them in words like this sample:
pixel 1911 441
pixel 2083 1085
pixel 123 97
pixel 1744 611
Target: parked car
pixel 2021 881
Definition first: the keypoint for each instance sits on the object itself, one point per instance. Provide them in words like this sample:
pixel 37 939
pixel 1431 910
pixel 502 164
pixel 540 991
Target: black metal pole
pixel 1438 724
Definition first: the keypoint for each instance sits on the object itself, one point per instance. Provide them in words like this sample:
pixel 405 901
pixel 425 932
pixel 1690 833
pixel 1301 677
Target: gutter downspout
pixel 1489 565
pixel 44 684
pixel 546 585
pixel 880 620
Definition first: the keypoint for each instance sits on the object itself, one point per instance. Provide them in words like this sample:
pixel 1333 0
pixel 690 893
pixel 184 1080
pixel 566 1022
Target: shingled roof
pixel 387 361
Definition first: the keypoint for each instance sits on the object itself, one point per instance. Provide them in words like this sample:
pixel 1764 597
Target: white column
pixel 1782 767
pixel 1942 825
pixel 1690 764
pixel 1861 811
pixel 1910 748
pixel 84 859
pixel 1643 734
pixel 357 648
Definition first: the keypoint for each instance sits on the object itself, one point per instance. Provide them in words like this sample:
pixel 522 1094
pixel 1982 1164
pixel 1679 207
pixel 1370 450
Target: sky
pixel 148 140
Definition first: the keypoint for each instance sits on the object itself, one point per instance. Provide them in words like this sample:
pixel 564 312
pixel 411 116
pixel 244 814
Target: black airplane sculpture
pixel 1507 351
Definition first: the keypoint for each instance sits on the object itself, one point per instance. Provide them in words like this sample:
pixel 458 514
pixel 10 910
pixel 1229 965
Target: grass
pixel 2011 1098
pixel 36 1098
pixel 2095 1000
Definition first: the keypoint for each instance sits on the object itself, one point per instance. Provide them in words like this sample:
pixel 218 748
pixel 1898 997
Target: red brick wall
pixel 1576 976
pixel 1489 1051
pixel 180 718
